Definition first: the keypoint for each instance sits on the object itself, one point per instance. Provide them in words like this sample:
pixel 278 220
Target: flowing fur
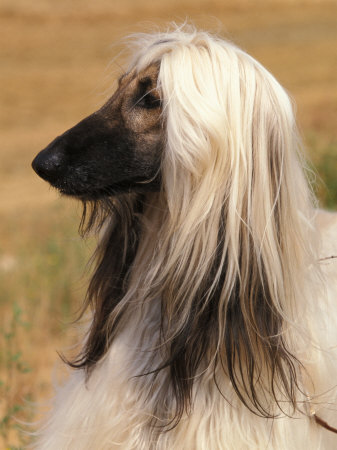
pixel 214 316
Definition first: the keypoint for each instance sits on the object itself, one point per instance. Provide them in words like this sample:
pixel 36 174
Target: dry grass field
pixel 55 68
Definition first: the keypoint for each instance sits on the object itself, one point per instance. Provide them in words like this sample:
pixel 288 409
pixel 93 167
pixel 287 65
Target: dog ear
pixel 238 258
pixel 260 353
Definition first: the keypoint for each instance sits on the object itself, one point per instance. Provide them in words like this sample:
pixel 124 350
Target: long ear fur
pixel 230 249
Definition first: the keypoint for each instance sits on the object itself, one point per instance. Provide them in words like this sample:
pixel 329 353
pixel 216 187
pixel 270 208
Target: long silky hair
pixel 224 250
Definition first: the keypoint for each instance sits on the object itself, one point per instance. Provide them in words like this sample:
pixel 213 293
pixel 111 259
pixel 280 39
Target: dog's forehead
pixel 148 75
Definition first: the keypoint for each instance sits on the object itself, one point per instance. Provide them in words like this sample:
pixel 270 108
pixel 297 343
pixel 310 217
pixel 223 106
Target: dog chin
pixel 93 193
pixel 82 191
pixel 86 195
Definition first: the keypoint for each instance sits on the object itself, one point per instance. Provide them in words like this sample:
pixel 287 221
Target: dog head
pixel 116 149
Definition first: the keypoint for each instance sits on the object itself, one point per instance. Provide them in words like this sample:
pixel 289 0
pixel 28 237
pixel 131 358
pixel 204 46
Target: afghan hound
pixel 213 302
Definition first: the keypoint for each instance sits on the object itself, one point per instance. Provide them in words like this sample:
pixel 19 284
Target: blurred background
pixel 58 63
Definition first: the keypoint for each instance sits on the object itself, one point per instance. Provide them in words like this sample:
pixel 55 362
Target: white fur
pixel 219 114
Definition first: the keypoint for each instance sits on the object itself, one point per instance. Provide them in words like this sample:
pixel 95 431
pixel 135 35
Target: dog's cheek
pixel 147 152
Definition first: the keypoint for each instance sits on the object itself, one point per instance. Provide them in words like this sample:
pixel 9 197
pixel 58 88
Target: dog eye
pixel 148 101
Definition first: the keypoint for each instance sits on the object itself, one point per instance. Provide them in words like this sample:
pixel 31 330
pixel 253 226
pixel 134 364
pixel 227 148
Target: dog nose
pixel 48 163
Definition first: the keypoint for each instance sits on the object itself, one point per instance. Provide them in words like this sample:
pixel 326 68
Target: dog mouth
pixel 78 182
pixel 94 180
pixel 94 193
pixel 85 193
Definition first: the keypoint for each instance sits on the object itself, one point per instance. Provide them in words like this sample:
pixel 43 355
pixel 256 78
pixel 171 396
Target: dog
pixel 214 306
